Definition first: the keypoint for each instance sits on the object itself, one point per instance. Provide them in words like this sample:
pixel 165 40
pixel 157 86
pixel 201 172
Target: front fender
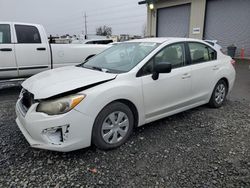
pixel 100 96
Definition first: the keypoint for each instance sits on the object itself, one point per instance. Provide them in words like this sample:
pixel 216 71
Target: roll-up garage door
pixel 228 21
pixel 173 21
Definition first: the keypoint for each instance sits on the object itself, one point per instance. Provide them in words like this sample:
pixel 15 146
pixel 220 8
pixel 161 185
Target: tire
pixel 219 94
pixel 113 126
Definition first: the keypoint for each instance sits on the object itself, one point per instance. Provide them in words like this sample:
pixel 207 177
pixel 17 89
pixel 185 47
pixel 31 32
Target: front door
pixel 171 91
pixel 8 67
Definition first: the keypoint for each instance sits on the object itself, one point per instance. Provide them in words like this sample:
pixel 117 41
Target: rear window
pixel 27 34
pixel 5 34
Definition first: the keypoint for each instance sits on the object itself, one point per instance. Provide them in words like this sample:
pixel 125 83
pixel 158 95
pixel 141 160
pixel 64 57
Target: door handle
pixel 6 49
pixel 215 67
pixel 186 75
pixel 41 49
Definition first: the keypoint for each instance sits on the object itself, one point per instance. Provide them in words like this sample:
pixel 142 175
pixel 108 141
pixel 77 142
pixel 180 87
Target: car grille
pixel 27 100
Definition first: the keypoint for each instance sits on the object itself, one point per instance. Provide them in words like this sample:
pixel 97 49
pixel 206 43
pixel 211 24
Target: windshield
pixel 120 58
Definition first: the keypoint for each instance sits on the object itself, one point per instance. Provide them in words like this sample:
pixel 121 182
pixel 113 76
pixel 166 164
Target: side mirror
pixel 161 67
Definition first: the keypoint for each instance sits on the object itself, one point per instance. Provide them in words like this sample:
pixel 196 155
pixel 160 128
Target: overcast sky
pixel 66 16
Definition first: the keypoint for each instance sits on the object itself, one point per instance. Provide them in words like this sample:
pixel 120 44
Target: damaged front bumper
pixel 65 132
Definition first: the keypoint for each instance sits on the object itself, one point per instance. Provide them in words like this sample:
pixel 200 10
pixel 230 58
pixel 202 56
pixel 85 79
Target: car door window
pixel 201 53
pixel 27 34
pixel 5 37
pixel 173 54
pixel 212 54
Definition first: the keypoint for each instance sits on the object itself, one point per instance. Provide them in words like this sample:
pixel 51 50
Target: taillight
pixel 233 62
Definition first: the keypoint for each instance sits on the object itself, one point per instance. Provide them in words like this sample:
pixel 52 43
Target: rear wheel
pixel 219 94
pixel 113 126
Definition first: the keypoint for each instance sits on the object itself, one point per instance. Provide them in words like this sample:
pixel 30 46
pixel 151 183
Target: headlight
pixel 60 105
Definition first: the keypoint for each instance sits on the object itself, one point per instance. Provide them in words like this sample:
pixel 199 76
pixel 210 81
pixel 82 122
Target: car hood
pixel 61 80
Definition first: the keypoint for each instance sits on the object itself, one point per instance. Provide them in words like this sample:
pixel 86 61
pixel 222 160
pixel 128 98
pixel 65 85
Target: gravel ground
pixel 202 147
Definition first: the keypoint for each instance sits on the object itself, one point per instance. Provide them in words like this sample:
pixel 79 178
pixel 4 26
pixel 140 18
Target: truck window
pixel 99 42
pixel 27 34
pixel 5 34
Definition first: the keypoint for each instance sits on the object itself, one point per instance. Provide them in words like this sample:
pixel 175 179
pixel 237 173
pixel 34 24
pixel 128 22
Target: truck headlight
pixel 60 105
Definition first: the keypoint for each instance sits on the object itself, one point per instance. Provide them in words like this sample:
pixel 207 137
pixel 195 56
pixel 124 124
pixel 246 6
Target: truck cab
pixel 24 50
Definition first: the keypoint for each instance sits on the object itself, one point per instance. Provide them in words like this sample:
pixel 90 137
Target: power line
pixel 79 22
pixel 105 9
pixel 97 14
pixel 121 17
pixel 124 23
pixel 94 18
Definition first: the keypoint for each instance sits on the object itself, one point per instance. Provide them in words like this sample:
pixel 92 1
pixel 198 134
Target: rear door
pixel 8 67
pixel 204 66
pixel 32 51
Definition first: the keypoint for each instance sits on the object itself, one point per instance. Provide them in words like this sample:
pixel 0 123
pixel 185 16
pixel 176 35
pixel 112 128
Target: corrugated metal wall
pixel 228 21
pixel 173 21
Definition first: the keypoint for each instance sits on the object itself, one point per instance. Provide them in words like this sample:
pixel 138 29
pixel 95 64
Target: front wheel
pixel 113 126
pixel 219 94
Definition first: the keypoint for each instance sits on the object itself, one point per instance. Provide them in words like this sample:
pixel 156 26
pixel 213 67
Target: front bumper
pixel 34 126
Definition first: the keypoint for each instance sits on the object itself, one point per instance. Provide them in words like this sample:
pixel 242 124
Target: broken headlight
pixel 60 105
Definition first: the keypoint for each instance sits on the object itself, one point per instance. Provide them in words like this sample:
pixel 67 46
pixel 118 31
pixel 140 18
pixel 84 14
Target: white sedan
pixel 102 100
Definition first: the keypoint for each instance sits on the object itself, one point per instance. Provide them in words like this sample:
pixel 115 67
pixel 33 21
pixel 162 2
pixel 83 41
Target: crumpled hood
pixel 54 82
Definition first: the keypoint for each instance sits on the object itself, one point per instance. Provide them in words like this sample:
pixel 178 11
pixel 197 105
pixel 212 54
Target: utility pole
pixel 85 25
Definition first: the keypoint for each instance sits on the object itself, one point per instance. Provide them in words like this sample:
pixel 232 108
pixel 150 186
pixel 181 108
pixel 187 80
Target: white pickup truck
pixel 25 51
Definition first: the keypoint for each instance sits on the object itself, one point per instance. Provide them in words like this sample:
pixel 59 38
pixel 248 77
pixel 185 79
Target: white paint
pixel 1 37
pixel 56 81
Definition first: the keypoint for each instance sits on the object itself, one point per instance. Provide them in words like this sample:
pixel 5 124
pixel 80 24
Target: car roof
pixel 165 39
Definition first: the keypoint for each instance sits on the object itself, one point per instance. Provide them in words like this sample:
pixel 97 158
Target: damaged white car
pixel 101 100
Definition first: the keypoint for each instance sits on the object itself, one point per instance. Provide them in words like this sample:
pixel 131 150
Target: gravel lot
pixel 202 147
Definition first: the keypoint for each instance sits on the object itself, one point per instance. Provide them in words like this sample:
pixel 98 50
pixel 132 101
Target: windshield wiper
pixel 96 68
pixel 82 64
pixel 93 68
pixel 102 69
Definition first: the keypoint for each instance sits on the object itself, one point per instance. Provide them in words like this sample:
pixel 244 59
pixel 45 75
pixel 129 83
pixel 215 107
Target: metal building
pixel 227 21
